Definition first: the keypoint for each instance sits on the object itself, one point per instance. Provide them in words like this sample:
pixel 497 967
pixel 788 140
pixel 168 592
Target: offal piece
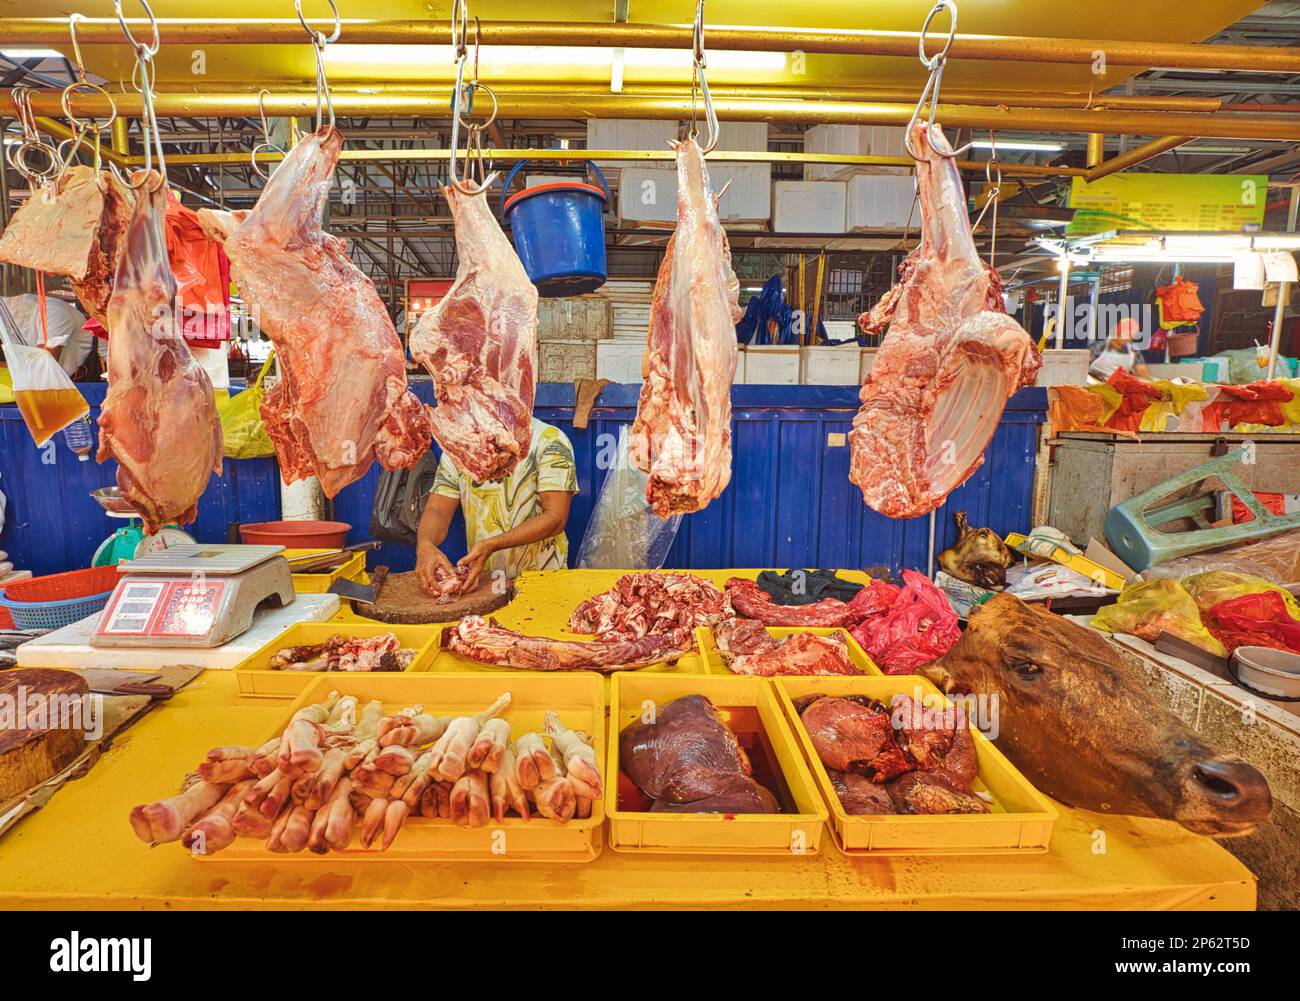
pixel 748 648
pixel 688 756
pixel 855 735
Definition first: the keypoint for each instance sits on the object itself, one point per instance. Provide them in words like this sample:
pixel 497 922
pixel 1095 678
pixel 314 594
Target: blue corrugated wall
pixel 790 502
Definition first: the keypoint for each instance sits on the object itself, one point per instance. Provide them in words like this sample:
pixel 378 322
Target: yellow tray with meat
pixel 928 758
pixel 555 724
pixel 744 789
pixel 345 647
pixel 738 646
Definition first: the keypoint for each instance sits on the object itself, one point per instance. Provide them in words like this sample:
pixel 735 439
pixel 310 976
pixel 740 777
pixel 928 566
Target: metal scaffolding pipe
pixel 1096 148
pixel 1135 156
pixel 434 103
pixel 37 31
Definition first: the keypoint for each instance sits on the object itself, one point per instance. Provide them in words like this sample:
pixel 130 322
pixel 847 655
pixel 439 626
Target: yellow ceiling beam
pixel 35 31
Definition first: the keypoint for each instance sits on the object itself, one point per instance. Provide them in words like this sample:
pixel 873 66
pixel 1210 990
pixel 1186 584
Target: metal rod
pixel 1279 311
pixel 433 104
pixel 1136 155
pixel 46 32
pixel 1059 337
pixel 1096 148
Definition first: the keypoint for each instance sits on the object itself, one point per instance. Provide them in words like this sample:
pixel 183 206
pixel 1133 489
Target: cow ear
pixel 963 526
pixel 940 676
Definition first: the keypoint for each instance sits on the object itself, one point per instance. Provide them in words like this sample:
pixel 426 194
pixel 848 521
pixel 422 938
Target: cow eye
pixel 1026 668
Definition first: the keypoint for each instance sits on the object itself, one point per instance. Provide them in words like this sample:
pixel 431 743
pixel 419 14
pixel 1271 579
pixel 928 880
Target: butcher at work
pixel 511 525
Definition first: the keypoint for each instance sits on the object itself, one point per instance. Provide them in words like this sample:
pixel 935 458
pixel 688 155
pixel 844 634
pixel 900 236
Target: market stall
pixel 549 464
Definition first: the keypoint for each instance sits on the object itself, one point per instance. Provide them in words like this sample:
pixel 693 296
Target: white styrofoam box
pixel 880 201
pixel 619 361
pixel 829 365
pixel 533 180
pixel 853 140
pixel 867 357
pixel 1064 367
pixel 742 137
pixel 771 364
pixel 627 133
pixel 749 196
pixel 566 361
pixel 809 206
pixel 840 330
pixel 1190 371
pixel 648 194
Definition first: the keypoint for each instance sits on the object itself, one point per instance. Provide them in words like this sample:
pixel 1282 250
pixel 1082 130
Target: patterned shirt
pixel 493 508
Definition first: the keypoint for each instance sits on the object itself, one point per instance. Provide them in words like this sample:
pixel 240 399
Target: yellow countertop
pixel 79 851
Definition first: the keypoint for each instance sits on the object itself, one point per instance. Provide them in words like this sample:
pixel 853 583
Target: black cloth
pixel 806 587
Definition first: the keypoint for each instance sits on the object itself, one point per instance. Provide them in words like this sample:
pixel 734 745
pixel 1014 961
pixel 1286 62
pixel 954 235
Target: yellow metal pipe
pixel 433 104
pixel 121 143
pixel 29 31
pixel 1096 148
pixel 1135 156
pixel 61 132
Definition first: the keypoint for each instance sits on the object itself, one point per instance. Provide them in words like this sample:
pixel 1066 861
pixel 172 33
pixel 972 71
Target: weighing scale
pixel 192 595
pixel 131 542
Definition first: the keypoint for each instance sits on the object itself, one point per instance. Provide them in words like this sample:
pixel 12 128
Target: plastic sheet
pixel 1149 608
pixel 1276 560
pixel 624 534
pixel 905 627
pixel 46 396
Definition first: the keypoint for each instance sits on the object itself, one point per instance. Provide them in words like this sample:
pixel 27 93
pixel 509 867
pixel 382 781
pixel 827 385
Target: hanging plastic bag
pixel 241 420
pixel 1179 303
pixel 1150 608
pixel 623 533
pixel 905 627
pixel 46 396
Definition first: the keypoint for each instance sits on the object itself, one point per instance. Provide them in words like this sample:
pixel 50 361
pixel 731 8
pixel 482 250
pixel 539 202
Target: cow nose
pixel 1221 780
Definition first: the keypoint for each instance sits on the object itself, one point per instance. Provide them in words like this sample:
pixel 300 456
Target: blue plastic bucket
pixel 559 232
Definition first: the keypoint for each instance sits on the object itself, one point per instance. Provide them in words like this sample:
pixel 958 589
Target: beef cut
pixel 74 227
pixel 485 641
pixel 687 761
pixel 748 648
pixel 159 419
pixel 947 365
pixel 478 343
pixel 342 401
pixel 640 604
pixel 682 433
pixel 749 600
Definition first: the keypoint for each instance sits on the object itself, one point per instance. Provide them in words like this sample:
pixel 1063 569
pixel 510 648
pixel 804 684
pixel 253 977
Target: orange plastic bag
pixel 1179 303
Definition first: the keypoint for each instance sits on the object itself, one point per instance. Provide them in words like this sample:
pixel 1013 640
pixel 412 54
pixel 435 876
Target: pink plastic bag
pixel 905 627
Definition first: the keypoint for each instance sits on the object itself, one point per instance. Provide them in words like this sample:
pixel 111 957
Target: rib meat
pixel 74 227
pixel 159 419
pixel 481 640
pixel 641 604
pixel 751 601
pixel 748 648
pixel 948 364
pixel 342 401
pixel 478 343
pixel 682 433
pixel 687 761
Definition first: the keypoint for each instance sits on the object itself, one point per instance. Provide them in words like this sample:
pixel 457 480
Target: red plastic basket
pixel 60 598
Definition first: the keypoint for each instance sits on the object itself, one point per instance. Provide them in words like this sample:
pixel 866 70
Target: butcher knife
pixel 108 681
pixel 353 591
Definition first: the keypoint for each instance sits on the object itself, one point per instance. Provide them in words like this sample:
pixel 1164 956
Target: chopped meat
pixel 686 760
pixel 342 401
pixel 947 365
pixel 484 641
pixel 851 736
pixel 159 419
pixel 641 604
pixel 477 343
pixel 346 653
pixel 748 648
pixel 751 601
pixel 682 433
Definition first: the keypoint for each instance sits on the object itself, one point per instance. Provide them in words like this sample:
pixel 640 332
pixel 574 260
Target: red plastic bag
pixel 1254 620
pixel 1179 303
pixel 1138 395
pixel 905 627
pixel 1253 403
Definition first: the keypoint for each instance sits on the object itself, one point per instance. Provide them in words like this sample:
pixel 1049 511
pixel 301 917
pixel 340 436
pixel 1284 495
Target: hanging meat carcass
pixel 478 343
pixel 159 419
pixel 342 401
pixel 76 227
pixel 682 433
pixel 948 363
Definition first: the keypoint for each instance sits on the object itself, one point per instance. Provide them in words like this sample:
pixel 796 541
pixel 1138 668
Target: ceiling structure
pixel 399 227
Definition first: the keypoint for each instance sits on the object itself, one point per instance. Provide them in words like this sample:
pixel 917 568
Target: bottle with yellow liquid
pixel 48 411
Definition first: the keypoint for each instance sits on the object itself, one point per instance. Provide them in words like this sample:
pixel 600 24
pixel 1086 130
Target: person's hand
pixel 430 567
pixel 472 563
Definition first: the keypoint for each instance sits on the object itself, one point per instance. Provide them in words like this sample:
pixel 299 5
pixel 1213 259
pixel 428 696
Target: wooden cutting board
pixel 401 601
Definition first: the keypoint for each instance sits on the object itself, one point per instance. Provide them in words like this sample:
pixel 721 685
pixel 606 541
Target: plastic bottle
pixel 78 437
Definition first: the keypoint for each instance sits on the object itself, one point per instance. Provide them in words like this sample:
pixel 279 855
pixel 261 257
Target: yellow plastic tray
pixel 256 678
pixel 1020 820
pixel 717 664
pixel 319 583
pixel 576 697
pixel 784 834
